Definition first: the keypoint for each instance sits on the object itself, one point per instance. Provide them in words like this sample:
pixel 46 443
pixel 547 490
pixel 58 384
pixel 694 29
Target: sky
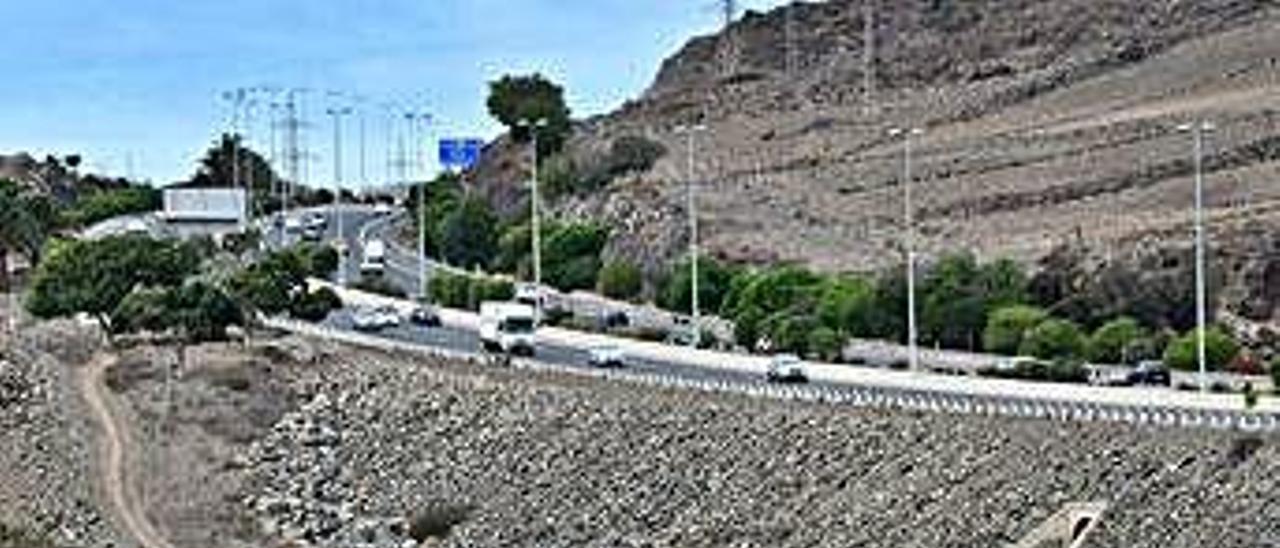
pixel 137 86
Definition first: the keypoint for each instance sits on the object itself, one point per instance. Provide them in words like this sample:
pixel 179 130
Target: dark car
pixel 1150 373
pixel 425 316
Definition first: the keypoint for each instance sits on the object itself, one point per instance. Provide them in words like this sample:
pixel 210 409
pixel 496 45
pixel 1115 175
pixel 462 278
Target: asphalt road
pixel 361 223
pixel 463 340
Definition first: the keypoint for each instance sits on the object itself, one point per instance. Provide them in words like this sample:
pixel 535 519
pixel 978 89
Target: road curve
pixel 113 453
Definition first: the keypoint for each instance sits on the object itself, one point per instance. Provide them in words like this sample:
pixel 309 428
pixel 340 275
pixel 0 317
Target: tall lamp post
pixel 337 113
pixel 913 333
pixel 419 163
pixel 690 133
pixel 534 126
pixel 1198 130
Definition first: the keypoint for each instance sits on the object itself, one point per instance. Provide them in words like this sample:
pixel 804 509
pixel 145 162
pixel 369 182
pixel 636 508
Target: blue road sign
pixel 460 153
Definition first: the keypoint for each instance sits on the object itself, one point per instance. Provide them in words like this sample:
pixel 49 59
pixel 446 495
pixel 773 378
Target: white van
pixel 375 257
pixel 508 328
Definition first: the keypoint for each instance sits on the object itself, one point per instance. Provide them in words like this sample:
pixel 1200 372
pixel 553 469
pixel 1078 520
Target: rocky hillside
pixel 379 450
pixel 1046 122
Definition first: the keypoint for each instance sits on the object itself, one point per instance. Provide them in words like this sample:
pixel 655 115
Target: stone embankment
pixel 385 449
pixel 47 468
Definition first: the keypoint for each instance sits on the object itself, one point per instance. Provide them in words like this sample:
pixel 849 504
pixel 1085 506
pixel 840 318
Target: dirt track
pixel 116 446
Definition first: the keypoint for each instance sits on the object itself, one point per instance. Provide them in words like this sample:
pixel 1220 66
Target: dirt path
pixel 113 454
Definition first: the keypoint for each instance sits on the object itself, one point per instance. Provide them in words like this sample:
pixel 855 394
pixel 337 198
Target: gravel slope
pixel 46 441
pixel 551 461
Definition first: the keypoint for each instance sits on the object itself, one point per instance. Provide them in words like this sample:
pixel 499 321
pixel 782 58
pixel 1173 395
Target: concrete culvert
pixel 437 520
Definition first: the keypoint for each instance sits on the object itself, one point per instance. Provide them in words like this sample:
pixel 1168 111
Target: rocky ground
pixel 46 447
pixel 306 444
pixel 380 448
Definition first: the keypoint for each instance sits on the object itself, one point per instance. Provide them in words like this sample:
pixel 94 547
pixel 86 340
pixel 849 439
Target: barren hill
pixel 1045 122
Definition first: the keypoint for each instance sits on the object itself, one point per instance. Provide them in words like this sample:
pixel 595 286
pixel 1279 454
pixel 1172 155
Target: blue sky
pixel 138 82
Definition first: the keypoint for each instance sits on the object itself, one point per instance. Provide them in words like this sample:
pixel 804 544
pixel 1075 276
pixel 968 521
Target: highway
pixel 570 349
pixel 466 340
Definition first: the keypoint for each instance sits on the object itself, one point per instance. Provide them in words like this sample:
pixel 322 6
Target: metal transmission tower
pixel 730 48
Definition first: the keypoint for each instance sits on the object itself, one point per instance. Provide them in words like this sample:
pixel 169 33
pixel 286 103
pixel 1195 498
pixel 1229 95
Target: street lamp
pixel 690 132
pixel 420 163
pixel 1198 130
pixel 337 113
pixel 533 126
pixel 909 219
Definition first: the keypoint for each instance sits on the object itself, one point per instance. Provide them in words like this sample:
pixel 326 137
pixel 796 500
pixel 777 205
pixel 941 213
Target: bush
pixel 825 343
pixel 1112 342
pixel 633 154
pixel 1053 339
pixel 1060 371
pixel 380 286
pixel 621 280
pixel 462 291
pixel 1007 326
pixel 675 291
pixel 571 255
pixel 1275 375
pixel 320 261
pixel 1219 348
pixel 468 235
pixel 108 204
pixel 315 306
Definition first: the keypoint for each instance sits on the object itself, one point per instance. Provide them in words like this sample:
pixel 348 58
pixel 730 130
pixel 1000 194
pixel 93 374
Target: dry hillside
pixel 1046 122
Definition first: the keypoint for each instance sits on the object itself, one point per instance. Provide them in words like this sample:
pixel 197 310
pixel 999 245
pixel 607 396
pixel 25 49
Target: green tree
pixel 106 204
pixel 825 343
pixel 953 306
pixel 93 277
pixel 1007 326
pixel 621 280
pixel 515 99
pixel 1053 339
pixel 218 169
pixel 1113 342
pixel 676 290
pixel 848 305
pixel 571 255
pixel 21 229
pixel 1219 349
pixel 468 235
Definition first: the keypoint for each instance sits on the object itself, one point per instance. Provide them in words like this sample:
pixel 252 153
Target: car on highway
pixel 315 219
pixel 312 234
pixel 1150 373
pixel 375 319
pixel 382 208
pixel 425 316
pixel 606 357
pixel 787 368
pixel 292 225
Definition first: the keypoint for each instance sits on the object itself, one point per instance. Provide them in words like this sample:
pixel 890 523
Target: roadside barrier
pixel 844 395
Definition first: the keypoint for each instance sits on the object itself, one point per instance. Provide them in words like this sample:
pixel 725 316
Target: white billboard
pixel 205 205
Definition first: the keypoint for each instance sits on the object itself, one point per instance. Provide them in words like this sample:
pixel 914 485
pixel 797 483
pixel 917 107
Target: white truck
pixel 375 257
pixel 508 328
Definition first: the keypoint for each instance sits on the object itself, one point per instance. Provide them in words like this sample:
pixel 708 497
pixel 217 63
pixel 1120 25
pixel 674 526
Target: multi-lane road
pixel 568 348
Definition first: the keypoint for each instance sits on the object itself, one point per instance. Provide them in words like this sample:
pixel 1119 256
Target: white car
pixel 787 368
pixel 382 208
pixel 375 319
pixel 606 357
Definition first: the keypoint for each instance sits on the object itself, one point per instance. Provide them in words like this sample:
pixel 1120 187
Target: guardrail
pixel 879 397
